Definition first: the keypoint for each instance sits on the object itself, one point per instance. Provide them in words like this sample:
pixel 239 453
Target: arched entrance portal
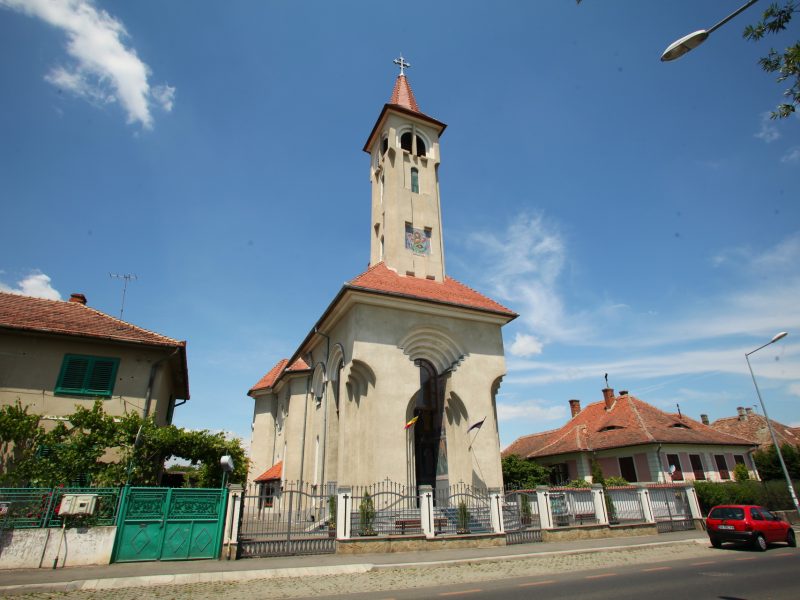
pixel 430 443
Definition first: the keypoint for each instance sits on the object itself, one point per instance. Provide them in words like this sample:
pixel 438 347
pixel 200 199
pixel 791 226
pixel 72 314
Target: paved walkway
pixel 186 573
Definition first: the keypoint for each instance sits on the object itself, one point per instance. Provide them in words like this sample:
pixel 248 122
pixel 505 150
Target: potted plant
pixel 366 512
pixel 331 516
pixel 463 518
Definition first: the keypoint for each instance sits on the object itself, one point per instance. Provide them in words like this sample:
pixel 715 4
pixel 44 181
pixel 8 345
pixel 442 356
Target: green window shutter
pixel 87 375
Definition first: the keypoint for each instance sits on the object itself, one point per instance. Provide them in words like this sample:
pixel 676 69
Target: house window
pixel 415 180
pixel 627 469
pixel 722 466
pixel 267 492
pixel 87 375
pixel 697 466
pixel 738 459
pixel 673 460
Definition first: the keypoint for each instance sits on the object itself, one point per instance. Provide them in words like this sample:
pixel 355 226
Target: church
pixel 397 379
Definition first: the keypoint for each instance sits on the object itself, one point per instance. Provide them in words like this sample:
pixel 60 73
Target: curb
pixel 112 583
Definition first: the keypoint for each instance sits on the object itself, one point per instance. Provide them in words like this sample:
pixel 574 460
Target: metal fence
pixel 27 508
pixel 385 508
pixel 670 508
pixel 521 520
pixel 624 505
pixel 298 518
pixel 572 506
pixel 461 509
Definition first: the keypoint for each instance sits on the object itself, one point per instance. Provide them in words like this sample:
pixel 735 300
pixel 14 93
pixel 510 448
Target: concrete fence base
pixel 34 548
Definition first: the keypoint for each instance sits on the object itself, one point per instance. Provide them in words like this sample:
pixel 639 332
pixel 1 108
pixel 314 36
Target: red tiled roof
pixel 383 280
pixel 629 422
pixel 402 94
pixel 271 378
pixel 271 474
pixel 72 318
pixel 753 427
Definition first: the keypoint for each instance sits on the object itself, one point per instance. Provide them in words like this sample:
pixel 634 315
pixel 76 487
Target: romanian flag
pixel 411 422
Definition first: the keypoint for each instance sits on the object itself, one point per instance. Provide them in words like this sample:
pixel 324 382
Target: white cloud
pixel 36 285
pixel 767 132
pixel 525 345
pixel 104 69
pixel 792 155
pixel 529 411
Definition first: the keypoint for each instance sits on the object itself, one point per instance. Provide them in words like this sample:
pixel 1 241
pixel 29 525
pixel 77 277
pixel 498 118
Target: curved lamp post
pixel 689 42
pixel 779 336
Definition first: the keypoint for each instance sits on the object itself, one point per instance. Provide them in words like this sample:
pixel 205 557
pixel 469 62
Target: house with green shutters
pixel 58 355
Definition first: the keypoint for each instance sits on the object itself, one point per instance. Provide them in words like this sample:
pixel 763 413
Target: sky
pixel 643 218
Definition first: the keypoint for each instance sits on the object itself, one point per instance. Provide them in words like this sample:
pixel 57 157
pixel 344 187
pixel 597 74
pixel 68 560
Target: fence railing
pixel 29 508
pixel 625 505
pixel 385 508
pixel 572 506
pixel 461 509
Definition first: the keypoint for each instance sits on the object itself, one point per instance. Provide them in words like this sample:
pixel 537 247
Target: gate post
pixel 600 508
pixel 694 504
pixel 647 507
pixel 344 513
pixel 496 509
pixel 232 518
pixel 426 510
pixel 543 500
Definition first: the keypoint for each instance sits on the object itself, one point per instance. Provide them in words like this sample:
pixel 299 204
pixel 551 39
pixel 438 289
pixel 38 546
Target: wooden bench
pixel 402 524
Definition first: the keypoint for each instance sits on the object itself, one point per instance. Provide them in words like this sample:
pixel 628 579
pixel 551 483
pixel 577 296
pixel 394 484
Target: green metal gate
pixel 170 524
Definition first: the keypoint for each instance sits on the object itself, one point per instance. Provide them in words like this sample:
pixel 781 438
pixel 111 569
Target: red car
pixel 745 524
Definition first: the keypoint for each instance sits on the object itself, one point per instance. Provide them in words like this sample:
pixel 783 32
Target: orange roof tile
pixel 629 422
pixel 383 280
pixel 72 318
pixel 402 95
pixel 271 474
pixel 753 427
pixel 271 378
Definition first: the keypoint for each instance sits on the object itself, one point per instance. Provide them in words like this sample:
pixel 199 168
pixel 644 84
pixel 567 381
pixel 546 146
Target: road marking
pixel 656 569
pixel 537 583
pixel 708 562
pixel 475 591
pixel 746 558
pixel 602 575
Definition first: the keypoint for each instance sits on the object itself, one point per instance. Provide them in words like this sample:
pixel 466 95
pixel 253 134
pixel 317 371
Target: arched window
pixel 420 147
pixel 384 145
pixel 415 180
pixel 426 400
pixel 337 384
pixel 406 141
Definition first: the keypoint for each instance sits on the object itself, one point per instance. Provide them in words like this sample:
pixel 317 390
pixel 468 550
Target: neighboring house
pixel 56 356
pixel 634 440
pixel 753 427
pixel 399 342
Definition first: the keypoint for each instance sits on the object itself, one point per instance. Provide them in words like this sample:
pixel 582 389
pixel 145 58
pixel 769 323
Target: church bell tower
pixel 404 172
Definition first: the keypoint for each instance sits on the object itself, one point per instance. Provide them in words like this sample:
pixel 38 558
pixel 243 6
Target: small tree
pixel 519 473
pixel 332 512
pixel 463 517
pixel 740 472
pixel 366 512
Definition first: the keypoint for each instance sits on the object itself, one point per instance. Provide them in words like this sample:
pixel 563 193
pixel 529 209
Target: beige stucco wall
pixel 30 366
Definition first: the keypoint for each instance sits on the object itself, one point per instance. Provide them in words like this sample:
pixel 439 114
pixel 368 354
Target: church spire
pixel 402 95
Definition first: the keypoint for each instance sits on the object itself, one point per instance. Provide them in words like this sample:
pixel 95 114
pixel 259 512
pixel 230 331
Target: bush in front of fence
pixel 772 494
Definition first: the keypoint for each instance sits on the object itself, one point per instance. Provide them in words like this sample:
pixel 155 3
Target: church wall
pixel 262 436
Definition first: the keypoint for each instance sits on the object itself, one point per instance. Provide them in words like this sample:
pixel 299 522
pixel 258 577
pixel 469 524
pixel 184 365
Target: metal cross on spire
pixel 401 62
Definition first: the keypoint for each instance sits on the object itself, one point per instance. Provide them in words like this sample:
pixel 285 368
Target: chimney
pixel 79 298
pixel 608 396
pixel 704 419
pixel 748 411
pixel 623 392
pixel 575 407
pixel 742 414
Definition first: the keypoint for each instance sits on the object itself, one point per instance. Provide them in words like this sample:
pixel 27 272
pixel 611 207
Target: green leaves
pixel 523 474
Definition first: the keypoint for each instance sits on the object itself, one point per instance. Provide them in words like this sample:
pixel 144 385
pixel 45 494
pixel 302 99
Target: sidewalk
pixel 125 575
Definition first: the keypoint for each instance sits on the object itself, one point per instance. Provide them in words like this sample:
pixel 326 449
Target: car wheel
pixel 760 543
pixel 791 539
pixel 716 542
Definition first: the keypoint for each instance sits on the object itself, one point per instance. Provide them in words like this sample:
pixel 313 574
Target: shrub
pixel 366 512
pixel 740 472
pixel 463 517
pixel 616 482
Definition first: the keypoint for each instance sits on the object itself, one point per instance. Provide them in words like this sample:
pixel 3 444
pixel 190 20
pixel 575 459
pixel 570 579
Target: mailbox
pixel 77 504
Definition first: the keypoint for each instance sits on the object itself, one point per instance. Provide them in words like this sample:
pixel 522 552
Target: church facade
pixel 397 379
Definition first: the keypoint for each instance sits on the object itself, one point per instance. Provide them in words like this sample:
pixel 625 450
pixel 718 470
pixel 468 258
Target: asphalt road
pixel 728 574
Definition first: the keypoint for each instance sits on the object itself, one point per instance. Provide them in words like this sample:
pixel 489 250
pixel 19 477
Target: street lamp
pixel 779 336
pixel 689 42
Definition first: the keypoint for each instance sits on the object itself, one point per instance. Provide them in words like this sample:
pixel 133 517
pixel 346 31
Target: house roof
pixel 753 427
pixel 273 375
pixel 382 280
pixel 73 318
pixel 629 422
pixel 271 474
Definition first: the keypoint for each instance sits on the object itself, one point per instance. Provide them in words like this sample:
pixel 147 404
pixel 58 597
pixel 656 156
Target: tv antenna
pixel 127 277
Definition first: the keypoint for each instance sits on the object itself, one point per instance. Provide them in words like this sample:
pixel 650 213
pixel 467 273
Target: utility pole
pixel 127 277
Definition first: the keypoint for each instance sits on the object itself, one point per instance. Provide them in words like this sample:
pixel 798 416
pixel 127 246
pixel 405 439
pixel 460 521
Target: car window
pixel 726 512
pixel 768 515
pixel 756 514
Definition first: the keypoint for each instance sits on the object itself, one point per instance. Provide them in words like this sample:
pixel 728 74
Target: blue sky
pixel 642 217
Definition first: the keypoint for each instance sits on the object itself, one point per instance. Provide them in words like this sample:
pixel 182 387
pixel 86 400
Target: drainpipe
pixel 148 396
pixel 660 465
